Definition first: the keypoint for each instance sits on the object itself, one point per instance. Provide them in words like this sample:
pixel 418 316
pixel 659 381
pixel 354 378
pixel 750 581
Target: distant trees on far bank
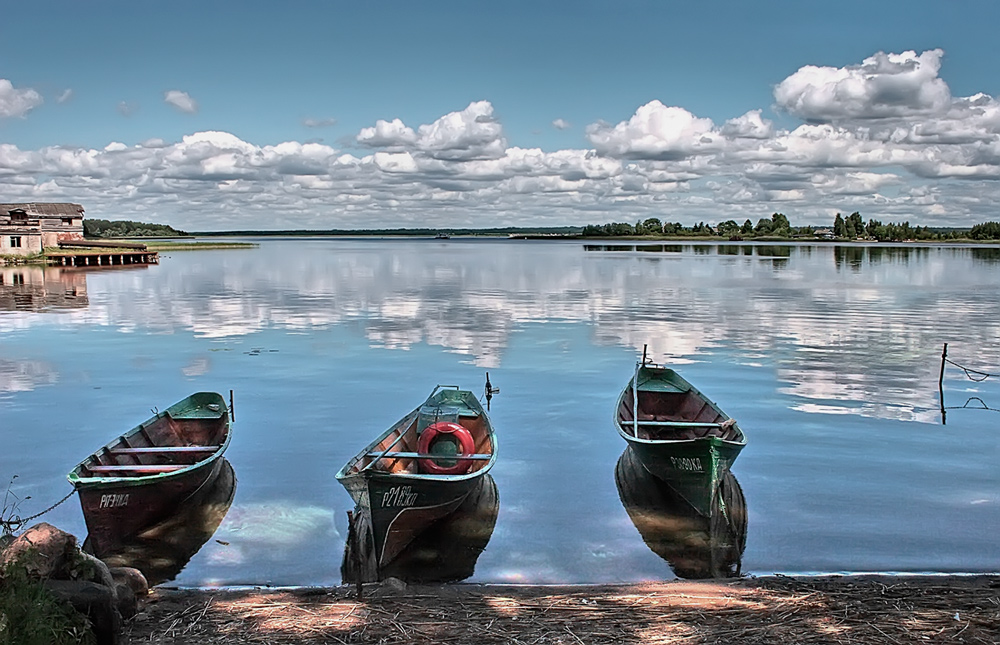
pixel 126 228
pixel 851 227
pixel 986 231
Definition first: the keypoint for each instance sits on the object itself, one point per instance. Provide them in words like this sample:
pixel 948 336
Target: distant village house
pixel 26 229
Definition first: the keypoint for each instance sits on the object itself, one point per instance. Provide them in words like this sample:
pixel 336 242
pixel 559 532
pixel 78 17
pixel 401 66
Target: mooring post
pixel 352 540
pixel 944 358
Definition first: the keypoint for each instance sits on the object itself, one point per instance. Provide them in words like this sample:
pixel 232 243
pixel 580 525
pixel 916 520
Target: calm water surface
pixel 828 356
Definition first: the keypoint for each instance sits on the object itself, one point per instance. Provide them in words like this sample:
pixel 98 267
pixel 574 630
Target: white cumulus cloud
pixel 884 137
pixel 655 131
pixel 16 102
pixel 884 85
pixel 470 134
pixel 181 100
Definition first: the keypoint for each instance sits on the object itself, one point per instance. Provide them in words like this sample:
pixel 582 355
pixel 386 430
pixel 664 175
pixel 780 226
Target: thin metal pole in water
pixel 944 357
pixel 232 409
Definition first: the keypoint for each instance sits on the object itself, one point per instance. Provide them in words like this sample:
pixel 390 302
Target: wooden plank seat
pixel 138 468
pixel 419 455
pixel 682 424
pixel 161 449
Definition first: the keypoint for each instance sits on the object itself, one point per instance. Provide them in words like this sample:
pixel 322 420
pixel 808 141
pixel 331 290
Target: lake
pixel 828 356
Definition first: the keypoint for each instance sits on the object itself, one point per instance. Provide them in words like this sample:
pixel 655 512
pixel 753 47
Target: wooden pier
pixel 118 258
pixel 80 253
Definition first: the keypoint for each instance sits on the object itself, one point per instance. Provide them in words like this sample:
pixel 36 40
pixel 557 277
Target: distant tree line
pixel 103 228
pixel 851 227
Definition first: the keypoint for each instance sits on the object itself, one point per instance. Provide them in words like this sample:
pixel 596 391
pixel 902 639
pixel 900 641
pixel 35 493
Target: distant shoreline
pixel 544 235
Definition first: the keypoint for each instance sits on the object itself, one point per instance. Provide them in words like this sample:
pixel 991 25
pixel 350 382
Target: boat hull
pixel 115 512
pixel 692 468
pixel 400 507
pixel 162 549
pixel 444 551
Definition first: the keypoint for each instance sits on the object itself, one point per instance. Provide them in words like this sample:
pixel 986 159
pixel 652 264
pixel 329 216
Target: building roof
pixel 43 209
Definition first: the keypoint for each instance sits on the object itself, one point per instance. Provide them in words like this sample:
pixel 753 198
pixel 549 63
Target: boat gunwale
pixel 86 483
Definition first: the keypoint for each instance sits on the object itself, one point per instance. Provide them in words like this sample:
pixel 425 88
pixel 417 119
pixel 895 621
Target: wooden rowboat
pixel 695 546
pixel 418 471
pixel 679 434
pixel 146 473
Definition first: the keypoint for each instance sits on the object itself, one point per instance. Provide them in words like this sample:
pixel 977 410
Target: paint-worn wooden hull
pixel 161 550
pixel 394 500
pixel 693 544
pixel 679 434
pixel 444 551
pixel 145 474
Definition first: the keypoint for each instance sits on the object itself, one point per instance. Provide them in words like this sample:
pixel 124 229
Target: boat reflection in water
pixel 694 545
pixel 446 551
pixel 161 550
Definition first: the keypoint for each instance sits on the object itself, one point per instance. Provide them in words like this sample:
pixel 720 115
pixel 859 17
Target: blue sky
pixel 214 115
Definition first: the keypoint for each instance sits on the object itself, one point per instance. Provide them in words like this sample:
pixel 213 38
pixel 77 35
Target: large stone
pixel 125 600
pixel 43 549
pixel 94 570
pixel 133 578
pixel 96 601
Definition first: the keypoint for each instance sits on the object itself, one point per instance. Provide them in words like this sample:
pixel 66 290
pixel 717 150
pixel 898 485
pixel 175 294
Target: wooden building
pixel 26 229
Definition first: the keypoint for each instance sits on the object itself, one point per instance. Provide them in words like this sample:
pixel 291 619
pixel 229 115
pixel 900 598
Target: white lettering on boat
pixel 692 464
pixel 114 501
pixel 399 496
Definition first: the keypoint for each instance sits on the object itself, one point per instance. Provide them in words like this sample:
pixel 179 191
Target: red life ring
pixel 467 446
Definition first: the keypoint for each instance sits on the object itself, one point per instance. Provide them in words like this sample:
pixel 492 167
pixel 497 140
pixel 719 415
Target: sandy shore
pixel 853 609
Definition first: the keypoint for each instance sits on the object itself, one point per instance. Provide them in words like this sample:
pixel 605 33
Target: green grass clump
pixel 30 615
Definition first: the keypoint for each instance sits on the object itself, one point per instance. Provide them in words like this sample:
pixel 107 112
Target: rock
pixel 394 584
pixel 131 577
pixel 125 600
pixel 95 601
pixel 95 571
pixel 45 551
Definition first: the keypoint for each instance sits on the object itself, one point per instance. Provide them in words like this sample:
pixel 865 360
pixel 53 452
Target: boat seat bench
pixel 138 468
pixel 161 449
pixel 420 455
pixel 677 424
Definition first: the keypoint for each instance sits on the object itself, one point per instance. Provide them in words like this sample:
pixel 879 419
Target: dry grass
pixel 774 610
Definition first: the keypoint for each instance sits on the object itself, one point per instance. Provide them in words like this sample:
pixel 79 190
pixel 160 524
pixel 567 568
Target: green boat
pixel 678 434
pixel 415 473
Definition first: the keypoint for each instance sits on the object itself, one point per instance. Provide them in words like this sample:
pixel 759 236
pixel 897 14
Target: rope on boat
pixel 17 522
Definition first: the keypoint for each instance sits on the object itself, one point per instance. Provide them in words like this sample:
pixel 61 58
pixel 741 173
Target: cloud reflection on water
pixel 847 328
